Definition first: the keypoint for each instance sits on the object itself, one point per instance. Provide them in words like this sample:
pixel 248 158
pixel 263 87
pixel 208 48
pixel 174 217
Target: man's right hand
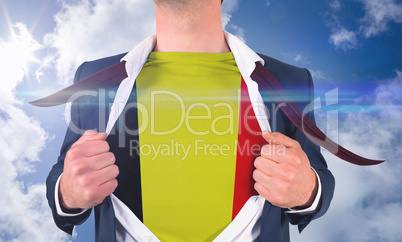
pixel 89 174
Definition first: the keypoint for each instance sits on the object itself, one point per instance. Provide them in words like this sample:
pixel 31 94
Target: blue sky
pixel 351 47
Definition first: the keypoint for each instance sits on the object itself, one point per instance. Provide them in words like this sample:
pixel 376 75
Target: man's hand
pixel 89 172
pixel 283 174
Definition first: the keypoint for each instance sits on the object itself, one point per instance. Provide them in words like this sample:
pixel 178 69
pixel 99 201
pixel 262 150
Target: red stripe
pixel 250 142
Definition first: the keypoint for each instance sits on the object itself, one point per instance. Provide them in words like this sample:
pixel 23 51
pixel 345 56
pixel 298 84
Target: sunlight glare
pixel 15 55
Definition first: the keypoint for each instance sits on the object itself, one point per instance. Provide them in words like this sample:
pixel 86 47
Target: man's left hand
pixel 283 174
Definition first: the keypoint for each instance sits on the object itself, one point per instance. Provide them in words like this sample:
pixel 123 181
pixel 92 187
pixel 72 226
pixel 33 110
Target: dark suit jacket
pixel 275 222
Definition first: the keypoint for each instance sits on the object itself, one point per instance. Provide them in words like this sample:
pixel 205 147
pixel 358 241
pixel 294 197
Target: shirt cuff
pixel 58 206
pixel 313 206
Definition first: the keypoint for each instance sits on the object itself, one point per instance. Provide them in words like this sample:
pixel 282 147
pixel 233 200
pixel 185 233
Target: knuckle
pixel 289 176
pixel 114 184
pixel 110 187
pixel 112 171
pixel 258 161
pixel 111 157
pixel 105 145
pixel 256 175
pixel 88 195
pixel 257 187
pixel 72 154
pixel 76 169
pixel 261 191
pixel 82 182
pixel 296 161
pixel 115 171
pixel 87 134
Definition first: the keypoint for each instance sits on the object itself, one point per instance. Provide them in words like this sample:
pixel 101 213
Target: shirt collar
pixel 245 59
pixel 136 58
pixel 244 56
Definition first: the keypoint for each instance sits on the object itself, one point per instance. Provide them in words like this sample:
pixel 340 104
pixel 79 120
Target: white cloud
pixel 84 30
pixel 368 203
pixel 268 3
pixel 228 7
pixel 317 74
pixel 340 37
pixel 25 215
pixel 301 60
pixel 399 74
pixel 87 30
pixel 298 57
pixel 335 5
pixel 238 32
pixel 343 39
pixel 15 54
pixel 225 19
pixel 378 15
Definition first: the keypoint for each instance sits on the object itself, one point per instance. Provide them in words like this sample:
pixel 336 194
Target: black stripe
pixel 123 133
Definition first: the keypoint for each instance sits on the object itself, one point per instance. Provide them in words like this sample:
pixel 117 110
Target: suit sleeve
pixel 66 223
pixel 318 162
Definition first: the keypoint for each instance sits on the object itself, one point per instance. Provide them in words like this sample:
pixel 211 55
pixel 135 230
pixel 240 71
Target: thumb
pixel 277 138
pixel 90 135
pixel 267 136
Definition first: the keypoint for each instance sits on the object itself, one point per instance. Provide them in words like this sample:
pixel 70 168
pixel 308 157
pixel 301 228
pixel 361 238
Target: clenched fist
pixel 89 174
pixel 283 175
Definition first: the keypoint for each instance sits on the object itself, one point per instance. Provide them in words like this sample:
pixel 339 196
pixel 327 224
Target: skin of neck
pixel 189 26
